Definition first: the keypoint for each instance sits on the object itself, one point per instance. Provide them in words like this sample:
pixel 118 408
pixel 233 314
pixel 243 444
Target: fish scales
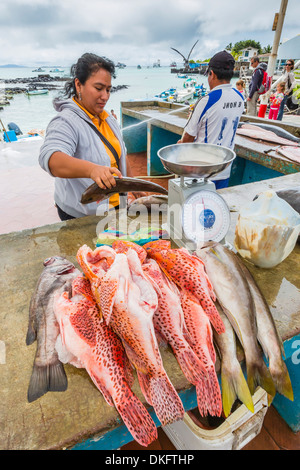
pixel 48 373
pixel 101 353
pixel 129 312
pixel 183 270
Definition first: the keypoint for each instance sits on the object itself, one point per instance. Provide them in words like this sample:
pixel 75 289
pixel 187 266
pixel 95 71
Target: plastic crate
pixel 233 434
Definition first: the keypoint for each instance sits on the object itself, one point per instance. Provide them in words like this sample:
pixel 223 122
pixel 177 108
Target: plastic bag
pixel 267 230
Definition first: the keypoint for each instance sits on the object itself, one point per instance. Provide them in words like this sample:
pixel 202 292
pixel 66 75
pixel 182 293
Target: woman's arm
pixel 65 166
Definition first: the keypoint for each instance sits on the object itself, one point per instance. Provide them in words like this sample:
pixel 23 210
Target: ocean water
pixel 35 112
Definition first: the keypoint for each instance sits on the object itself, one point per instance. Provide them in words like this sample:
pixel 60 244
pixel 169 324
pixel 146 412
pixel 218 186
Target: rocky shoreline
pixel 44 81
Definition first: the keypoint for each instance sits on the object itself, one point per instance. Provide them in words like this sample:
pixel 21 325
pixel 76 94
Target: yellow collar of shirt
pixel 104 115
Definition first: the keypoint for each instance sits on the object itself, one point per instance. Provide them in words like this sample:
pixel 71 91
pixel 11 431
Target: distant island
pixel 12 66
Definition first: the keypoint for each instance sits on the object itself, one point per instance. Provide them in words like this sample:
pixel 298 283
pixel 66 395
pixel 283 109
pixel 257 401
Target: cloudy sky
pixel 57 32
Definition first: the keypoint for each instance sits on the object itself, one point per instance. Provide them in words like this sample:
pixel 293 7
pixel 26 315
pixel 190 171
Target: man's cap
pixel 221 60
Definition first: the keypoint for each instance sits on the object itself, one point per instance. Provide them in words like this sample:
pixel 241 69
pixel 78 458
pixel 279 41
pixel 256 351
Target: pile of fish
pixel 112 317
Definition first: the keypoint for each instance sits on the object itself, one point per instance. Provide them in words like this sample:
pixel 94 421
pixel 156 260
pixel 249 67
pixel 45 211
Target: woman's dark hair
pixel 86 65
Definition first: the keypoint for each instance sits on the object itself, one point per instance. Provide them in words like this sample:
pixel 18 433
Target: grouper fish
pixel 233 294
pixel 123 185
pixel 48 372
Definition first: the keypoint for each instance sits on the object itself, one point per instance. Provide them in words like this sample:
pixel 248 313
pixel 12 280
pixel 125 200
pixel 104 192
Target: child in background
pixel 240 86
pixel 275 101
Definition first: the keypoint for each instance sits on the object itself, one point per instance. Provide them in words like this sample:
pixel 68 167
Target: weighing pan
pixel 196 160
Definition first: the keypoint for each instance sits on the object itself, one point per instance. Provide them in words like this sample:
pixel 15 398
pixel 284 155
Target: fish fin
pixel 101 387
pixel 209 397
pixel 259 375
pixel 31 334
pixel 191 366
pixel 50 378
pixel 108 292
pixel 144 383
pixel 213 315
pixel 281 378
pixel 234 385
pixel 165 400
pixel 136 418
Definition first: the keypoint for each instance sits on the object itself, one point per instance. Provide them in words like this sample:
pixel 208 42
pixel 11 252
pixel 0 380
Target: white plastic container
pixel 236 431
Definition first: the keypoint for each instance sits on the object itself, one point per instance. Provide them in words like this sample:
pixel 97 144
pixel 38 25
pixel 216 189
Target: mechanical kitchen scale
pixel 196 212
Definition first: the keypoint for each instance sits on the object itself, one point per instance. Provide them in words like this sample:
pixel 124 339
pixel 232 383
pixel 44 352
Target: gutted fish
pixel 291 153
pixel 188 273
pixel 128 301
pixel 235 298
pixel 270 127
pixel 234 385
pixel 94 346
pixel 151 203
pixel 209 398
pixel 268 337
pixel 123 185
pixel 48 373
pixel 257 133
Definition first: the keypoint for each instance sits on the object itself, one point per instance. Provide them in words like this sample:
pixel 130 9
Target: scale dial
pixel 205 216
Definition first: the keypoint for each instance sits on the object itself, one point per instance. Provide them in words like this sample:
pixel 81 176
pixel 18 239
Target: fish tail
pixel 166 402
pixel 209 397
pixel 136 418
pixel 259 375
pixel 191 366
pixel 145 385
pixel 234 385
pixel 49 378
pixel 281 378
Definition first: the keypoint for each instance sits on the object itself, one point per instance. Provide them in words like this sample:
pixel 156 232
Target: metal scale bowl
pixel 196 212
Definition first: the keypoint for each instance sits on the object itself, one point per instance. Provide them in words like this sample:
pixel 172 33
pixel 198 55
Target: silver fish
pixel 152 202
pixel 234 296
pixel 48 373
pixel 276 129
pixel 123 185
pixel 233 382
pixel 268 337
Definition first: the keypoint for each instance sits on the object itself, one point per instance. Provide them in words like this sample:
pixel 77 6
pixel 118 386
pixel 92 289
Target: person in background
pixel 83 142
pixel 289 81
pixel 241 86
pixel 255 84
pixel 276 100
pixel 216 116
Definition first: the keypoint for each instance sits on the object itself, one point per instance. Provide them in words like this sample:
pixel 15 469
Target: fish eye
pixel 48 261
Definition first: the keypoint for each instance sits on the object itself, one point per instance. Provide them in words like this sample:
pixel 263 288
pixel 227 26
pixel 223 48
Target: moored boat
pixel 43 91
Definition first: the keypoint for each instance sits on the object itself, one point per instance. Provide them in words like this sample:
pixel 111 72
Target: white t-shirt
pixel 215 119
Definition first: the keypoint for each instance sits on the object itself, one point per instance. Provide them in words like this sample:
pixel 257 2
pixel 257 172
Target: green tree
pixel 238 46
pixel 267 49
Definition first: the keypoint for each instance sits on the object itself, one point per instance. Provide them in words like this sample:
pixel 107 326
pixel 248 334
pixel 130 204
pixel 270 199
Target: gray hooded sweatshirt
pixel 70 132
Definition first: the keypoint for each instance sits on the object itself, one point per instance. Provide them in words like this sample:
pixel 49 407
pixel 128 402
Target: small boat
pixel 139 67
pixel 200 90
pixel 164 95
pixel 180 75
pixel 182 95
pixel 189 83
pixel 39 70
pixel 37 92
pixel 56 71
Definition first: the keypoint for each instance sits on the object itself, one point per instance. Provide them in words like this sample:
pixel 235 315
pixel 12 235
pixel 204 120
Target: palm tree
pixel 186 60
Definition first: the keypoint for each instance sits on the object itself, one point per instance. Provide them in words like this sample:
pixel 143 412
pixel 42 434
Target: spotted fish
pixel 128 301
pixel 94 346
pixel 201 334
pixel 188 273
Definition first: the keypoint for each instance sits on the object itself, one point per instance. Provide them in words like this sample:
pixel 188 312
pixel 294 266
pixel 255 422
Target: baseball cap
pixel 221 60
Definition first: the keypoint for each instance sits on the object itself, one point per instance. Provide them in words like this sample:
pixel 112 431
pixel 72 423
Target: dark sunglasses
pixel 289 65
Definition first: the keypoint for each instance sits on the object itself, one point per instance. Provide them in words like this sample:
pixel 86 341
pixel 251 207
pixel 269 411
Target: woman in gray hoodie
pixel 83 142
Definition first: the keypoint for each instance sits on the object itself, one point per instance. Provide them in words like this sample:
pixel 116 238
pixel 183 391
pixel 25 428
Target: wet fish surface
pixel 234 296
pixel 269 127
pixel 48 373
pixel 254 132
pixel 123 185
pixel 291 153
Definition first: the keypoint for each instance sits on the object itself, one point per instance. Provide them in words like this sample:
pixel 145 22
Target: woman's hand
pixel 103 176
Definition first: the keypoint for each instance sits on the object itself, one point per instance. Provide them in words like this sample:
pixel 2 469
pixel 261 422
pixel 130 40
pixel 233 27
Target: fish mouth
pixel 49 261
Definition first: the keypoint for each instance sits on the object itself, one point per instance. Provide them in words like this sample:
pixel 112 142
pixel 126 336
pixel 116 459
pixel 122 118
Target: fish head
pixel 59 265
pixel 95 263
pixel 157 245
pixel 122 246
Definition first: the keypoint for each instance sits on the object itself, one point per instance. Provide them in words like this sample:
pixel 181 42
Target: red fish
pixel 200 331
pixel 122 246
pixel 98 349
pixel 188 273
pixel 169 322
pixel 128 301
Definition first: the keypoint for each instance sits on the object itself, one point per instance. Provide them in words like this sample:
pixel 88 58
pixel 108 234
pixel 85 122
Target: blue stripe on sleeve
pixel 213 97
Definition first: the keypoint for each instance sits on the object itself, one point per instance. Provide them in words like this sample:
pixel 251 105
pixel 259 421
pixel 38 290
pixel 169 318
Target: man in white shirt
pixel 216 116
